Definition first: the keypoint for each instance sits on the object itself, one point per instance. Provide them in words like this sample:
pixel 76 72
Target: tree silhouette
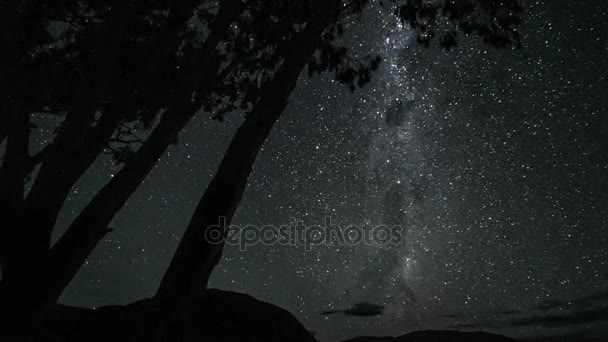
pixel 106 68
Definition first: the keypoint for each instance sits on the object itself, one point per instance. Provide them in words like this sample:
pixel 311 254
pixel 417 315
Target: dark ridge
pixel 437 336
pixel 216 316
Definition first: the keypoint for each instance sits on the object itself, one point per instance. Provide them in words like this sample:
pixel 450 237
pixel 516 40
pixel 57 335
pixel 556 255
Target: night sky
pixel 497 169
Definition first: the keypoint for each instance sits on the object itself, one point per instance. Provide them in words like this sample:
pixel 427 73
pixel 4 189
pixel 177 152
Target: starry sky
pixel 494 162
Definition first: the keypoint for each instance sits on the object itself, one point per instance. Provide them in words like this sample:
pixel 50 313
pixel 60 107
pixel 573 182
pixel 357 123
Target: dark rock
pixel 217 316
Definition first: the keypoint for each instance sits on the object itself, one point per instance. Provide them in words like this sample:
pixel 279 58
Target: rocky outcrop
pixel 216 316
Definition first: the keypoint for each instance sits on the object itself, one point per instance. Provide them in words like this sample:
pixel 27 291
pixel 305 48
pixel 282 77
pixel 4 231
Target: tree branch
pixel 37 159
pixel 2 132
pixel 196 256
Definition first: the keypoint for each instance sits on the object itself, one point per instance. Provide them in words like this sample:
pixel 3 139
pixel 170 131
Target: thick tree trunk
pixel 74 149
pixel 78 145
pixel 91 225
pixel 196 256
pixel 14 168
pixel 66 159
pixel 12 180
pixel 15 129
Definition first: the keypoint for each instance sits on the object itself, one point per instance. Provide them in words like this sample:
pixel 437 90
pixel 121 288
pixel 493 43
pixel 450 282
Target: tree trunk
pixel 12 180
pixel 78 144
pixel 74 149
pixel 91 225
pixel 196 256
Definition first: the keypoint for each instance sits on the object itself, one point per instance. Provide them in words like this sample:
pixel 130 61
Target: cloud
pixel 595 315
pixel 504 312
pixel 555 320
pixel 549 304
pixel 593 299
pixel 359 309
pixel 590 309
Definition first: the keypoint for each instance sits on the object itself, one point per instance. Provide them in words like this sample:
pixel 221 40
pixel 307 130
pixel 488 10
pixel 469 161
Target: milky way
pixel 494 162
